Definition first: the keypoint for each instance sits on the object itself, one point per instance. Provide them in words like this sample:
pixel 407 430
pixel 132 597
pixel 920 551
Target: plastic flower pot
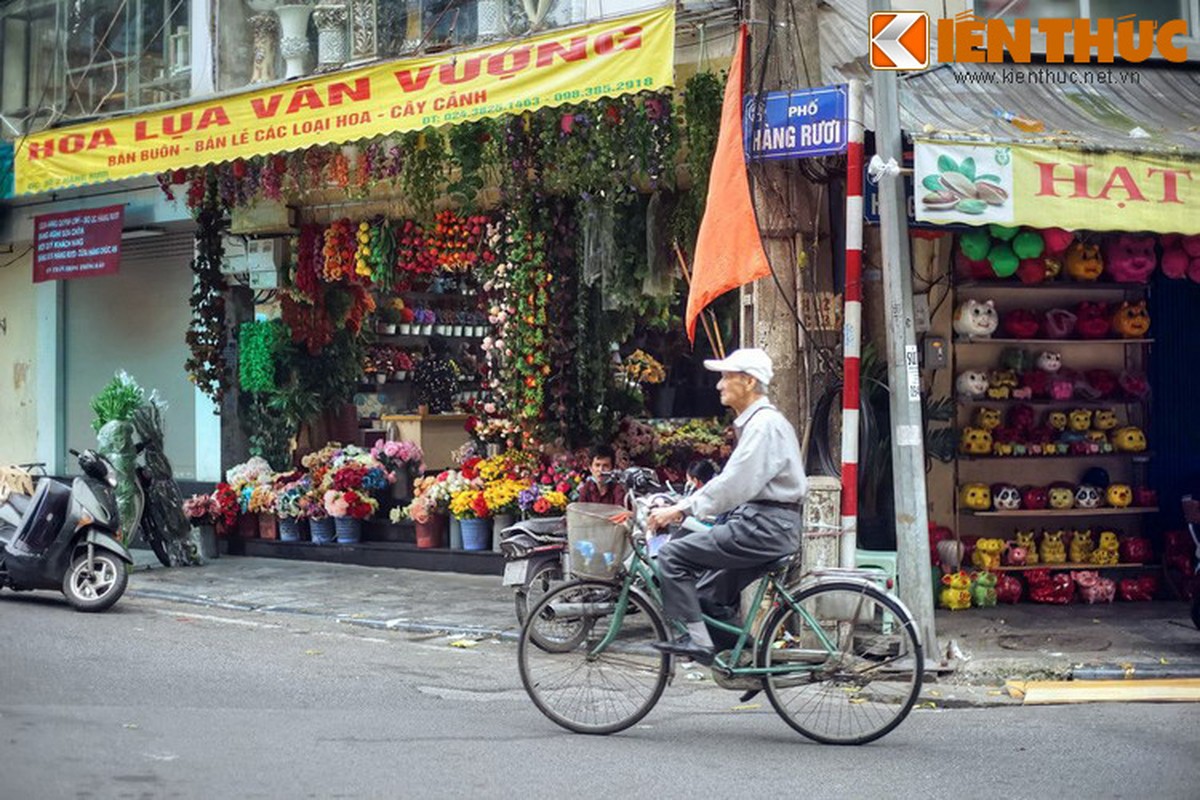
pixel 499 523
pixel 427 330
pixel 432 532
pixel 402 488
pixel 476 534
pixel 456 540
pixel 247 526
pixel 266 527
pixel 322 530
pixel 381 377
pixel 457 330
pixel 404 329
pixel 349 530
pixel 386 328
pixel 289 529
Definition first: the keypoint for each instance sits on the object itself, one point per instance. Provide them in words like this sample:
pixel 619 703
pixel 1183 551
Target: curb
pixel 376 624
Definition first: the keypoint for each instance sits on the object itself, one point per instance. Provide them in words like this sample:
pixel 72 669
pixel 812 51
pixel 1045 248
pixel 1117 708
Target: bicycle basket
pixel 598 546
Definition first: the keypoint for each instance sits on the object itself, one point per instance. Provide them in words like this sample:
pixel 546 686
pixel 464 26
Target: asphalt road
pixel 158 700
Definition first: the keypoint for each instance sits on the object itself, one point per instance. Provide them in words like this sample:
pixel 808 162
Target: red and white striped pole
pixel 852 324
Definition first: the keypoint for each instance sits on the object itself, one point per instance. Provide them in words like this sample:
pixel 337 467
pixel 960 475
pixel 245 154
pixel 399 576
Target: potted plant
pixel 262 504
pixel 292 502
pixel 349 508
pixel 470 507
pixel 427 319
pixel 202 512
pixel 389 318
pixel 404 326
pixel 402 460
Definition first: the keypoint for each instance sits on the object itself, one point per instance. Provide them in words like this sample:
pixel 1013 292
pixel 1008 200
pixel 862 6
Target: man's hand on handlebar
pixel 662 517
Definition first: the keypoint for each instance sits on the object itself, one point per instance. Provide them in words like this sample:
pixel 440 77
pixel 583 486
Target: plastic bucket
pixel 598 546
pixel 476 534
pixel 321 530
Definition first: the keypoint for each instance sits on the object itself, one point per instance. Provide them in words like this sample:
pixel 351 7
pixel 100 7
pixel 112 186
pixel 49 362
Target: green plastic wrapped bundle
pixel 115 443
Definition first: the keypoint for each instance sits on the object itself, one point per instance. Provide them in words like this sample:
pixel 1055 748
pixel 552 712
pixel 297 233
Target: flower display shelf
pixel 1045 403
pixel 1074 566
pixel 1051 286
pixel 1066 512
pixel 1043 342
pixel 1143 456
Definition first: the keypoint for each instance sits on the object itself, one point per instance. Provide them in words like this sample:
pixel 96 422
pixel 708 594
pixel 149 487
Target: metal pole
pixel 852 324
pixel 904 371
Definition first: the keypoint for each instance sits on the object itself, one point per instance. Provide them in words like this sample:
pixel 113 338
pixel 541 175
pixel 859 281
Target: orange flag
pixel 729 252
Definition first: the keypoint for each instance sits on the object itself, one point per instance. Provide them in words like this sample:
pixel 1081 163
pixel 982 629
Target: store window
pixel 69 59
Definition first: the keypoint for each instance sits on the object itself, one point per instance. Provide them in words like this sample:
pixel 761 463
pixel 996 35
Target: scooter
pixel 66 538
pixel 1191 516
pixel 535 555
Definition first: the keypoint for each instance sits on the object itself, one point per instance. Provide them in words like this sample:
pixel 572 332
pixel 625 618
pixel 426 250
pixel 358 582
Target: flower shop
pixel 458 314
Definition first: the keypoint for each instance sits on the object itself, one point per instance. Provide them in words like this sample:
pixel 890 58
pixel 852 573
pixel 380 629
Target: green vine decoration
pixel 206 337
pixel 472 151
pixel 701 108
pixel 258 342
pixel 424 169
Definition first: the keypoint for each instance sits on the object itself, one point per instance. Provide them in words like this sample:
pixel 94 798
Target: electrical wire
pixel 17 258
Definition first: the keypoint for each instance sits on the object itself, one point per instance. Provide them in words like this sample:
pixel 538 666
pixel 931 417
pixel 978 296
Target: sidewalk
pixel 985 646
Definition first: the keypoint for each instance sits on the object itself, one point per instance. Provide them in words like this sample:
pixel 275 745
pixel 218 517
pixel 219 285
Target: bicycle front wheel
pixel 856 663
pixel 577 680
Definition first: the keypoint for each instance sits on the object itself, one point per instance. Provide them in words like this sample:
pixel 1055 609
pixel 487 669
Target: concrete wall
pixel 18 360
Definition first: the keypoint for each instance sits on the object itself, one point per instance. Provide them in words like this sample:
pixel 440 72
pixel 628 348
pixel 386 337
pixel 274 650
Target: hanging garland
pixel 206 336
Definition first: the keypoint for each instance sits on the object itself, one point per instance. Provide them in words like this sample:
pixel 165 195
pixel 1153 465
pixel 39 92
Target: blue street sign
pixel 799 124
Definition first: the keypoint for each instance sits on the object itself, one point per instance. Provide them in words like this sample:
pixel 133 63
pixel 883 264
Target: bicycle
pixel 840 659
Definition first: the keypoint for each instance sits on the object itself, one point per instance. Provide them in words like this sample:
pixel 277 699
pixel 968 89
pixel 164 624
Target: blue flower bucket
pixel 321 530
pixel 349 530
pixel 476 534
pixel 289 529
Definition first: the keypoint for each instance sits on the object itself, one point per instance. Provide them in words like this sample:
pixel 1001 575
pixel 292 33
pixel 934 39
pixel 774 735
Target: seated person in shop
pixel 602 486
pixel 436 377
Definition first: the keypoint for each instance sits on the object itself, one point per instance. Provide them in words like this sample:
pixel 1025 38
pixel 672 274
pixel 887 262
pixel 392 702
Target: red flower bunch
pixel 339 249
pixel 412 251
pixel 349 477
pixel 226 502
pixel 480 506
pixel 470 469
pixel 356 506
pixel 541 505
pixel 455 240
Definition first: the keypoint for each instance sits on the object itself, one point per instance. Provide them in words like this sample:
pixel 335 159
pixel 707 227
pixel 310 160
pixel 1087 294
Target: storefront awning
pixel 574 65
pixel 1135 109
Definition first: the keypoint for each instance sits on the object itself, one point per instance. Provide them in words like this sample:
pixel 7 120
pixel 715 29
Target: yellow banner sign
pixel 604 59
pixel 978 184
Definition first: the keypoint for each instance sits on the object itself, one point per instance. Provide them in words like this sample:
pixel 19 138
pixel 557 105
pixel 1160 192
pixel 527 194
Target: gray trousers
pixel 708 570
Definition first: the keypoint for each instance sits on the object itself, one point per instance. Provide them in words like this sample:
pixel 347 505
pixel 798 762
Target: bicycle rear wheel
pixel 855 683
pixel 571 680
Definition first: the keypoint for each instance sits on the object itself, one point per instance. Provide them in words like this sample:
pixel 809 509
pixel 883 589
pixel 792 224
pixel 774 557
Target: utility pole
pixel 782 198
pixel 904 371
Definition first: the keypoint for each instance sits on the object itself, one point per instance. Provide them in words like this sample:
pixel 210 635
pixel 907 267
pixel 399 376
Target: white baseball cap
pixel 750 360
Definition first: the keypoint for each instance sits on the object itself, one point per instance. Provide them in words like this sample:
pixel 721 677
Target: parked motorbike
pixel 535 555
pixel 66 538
pixel 1191 516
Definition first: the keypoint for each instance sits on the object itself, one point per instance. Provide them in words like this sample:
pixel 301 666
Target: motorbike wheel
pixel 1196 610
pixel 535 588
pixel 95 586
pixel 157 542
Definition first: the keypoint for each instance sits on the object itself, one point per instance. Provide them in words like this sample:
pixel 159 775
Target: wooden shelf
pixel 1078 403
pixel 1046 286
pixel 1143 456
pixel 1044 342
pixel 1074 566
pixel 1068 512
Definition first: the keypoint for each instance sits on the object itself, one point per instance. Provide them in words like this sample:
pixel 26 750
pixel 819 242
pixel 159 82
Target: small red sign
pixel 77 244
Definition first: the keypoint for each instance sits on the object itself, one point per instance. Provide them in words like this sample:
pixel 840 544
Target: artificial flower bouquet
pixel 542 501
pixel 396 456
pixel 641 367
pixel 293 500
pixel 225 505
pixel 470 504
pixel 201 509
pixel 501 495
pixel 350 503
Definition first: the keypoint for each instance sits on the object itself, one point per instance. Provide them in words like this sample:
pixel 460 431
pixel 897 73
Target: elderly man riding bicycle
pixel 763 485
